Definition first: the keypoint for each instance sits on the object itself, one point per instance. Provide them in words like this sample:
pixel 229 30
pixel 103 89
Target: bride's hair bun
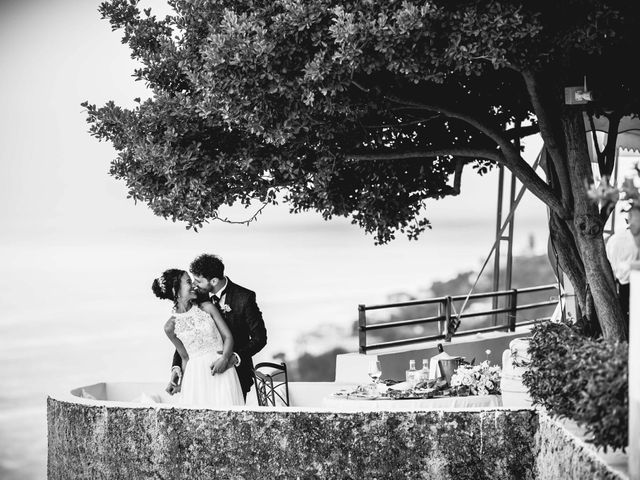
pixel 167 285
pixel 159 287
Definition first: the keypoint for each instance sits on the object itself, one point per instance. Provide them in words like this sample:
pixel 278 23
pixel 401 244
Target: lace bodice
pixel 197 332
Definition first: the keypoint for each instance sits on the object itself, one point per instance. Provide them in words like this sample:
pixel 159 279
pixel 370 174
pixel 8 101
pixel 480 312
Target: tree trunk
pixel 568 255
pixel 587 228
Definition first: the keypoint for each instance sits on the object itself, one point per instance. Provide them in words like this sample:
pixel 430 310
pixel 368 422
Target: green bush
pixel 583 379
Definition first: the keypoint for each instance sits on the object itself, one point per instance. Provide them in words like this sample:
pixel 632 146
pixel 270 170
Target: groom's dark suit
pixel 244 319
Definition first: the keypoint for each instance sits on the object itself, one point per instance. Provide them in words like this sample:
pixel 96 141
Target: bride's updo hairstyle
pixel 167 285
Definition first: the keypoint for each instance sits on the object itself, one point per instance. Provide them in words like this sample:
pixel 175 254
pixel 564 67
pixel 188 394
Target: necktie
pixel 216 299
pixel 216 302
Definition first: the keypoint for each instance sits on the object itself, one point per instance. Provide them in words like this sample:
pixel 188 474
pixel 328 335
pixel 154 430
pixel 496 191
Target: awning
pixel 628 131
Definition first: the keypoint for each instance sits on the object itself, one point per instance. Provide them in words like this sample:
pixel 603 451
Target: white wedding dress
pixel 198 333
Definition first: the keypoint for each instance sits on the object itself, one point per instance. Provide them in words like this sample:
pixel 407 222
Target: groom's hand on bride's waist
pixel 174 380
pixel 223 364
pixel 234 360
pixel 220 365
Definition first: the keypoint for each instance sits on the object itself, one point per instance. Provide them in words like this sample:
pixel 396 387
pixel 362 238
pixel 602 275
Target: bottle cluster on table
pixel 413 376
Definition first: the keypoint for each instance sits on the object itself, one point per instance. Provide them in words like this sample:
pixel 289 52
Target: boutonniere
pixel 225 308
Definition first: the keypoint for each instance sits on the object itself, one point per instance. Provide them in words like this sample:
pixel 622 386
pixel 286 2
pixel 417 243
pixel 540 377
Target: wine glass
pixel 487 352
pixel 375 371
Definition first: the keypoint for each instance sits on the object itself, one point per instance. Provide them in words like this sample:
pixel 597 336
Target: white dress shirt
pixel 621 251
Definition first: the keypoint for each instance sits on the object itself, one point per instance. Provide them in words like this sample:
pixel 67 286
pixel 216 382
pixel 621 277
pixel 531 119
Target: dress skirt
pixel 200 388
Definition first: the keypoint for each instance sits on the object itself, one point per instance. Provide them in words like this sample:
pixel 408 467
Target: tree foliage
pixel 368 109
pixel 582 379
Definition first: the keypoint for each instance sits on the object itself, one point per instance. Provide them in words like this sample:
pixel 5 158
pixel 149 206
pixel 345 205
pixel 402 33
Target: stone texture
pixel 110 442
pixel 561 455
pixel 105 441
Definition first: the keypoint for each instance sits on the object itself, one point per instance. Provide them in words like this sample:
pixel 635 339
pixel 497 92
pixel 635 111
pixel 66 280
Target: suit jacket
pixel 247 328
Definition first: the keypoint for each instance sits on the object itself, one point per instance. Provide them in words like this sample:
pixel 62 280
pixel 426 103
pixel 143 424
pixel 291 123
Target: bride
pixel 198 333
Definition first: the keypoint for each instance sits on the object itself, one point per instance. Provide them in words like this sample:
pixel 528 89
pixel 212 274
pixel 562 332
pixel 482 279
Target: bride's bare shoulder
pixel 206 306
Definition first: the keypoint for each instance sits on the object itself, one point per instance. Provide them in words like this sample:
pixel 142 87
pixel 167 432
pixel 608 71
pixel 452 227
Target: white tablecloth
pixel 471 401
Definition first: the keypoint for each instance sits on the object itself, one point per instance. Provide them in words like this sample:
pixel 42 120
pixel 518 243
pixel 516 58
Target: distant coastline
pixel 322 344
pixel 97 319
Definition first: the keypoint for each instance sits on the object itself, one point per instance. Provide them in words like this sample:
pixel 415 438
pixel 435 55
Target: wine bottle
pixel 411 374
pixel 424 373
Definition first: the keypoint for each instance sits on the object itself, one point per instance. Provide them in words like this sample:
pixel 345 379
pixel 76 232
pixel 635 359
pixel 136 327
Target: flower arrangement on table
pixel 482 379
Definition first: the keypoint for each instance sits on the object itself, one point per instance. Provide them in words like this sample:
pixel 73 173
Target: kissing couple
pixel 216 328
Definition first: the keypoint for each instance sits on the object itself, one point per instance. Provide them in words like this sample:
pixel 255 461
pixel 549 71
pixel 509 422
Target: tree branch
pixel 457 179
pixel 404 124
pixel 521 169
pixel 605 210
pixel 596 145
pixel 253 217
pixel 530 179
pixel 521 132
pixel 612 139
pixel 510 156
pixel 360 87
pixel 493 133
pixel 427 153
pixel 545 122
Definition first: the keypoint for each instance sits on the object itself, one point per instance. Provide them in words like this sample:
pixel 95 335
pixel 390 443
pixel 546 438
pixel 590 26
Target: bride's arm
pixel 227 338
pixel 169 329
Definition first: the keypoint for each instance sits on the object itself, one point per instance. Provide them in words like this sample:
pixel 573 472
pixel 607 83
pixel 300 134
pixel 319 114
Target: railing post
pixel 447 316
pixel 442 324
pixel 513 304
pixel 362 328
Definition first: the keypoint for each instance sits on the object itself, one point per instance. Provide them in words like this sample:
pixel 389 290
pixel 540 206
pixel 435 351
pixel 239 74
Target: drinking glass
pixel 375 372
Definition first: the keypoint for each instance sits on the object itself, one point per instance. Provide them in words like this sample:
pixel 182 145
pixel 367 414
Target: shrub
pixel 583 379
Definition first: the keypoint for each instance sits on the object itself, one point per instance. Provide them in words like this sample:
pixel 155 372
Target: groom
pixel 238 307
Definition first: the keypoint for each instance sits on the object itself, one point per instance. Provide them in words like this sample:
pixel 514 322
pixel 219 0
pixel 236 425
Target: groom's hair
pixel 208 266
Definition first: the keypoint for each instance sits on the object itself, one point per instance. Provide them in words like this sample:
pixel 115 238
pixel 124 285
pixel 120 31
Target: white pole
pixel 634 373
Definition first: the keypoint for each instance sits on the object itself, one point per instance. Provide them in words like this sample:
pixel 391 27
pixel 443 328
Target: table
pixel 471 401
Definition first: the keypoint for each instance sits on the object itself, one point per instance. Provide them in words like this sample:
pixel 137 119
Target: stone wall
pixel 89 440
pixel 560 454
pixel 97 439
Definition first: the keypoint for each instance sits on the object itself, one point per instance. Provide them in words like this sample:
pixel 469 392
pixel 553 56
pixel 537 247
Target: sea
pixel 78 309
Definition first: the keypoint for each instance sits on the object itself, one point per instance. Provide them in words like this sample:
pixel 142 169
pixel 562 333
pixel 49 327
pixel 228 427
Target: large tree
pixel 366 109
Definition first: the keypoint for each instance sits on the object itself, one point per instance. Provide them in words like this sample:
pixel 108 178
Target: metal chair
pixel 272 384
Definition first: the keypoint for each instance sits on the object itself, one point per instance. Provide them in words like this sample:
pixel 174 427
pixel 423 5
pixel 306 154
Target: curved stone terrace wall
pixel 102 438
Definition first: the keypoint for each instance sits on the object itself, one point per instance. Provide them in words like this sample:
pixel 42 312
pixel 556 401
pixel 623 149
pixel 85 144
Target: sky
pixel 63 216
pixel 54 55
pixel 77 257
pixel 68 232
pixel 66 225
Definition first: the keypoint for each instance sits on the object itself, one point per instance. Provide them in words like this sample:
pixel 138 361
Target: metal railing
pixel 446 311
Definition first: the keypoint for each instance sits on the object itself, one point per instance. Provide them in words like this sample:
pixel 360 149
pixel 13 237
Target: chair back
pixel 272 384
